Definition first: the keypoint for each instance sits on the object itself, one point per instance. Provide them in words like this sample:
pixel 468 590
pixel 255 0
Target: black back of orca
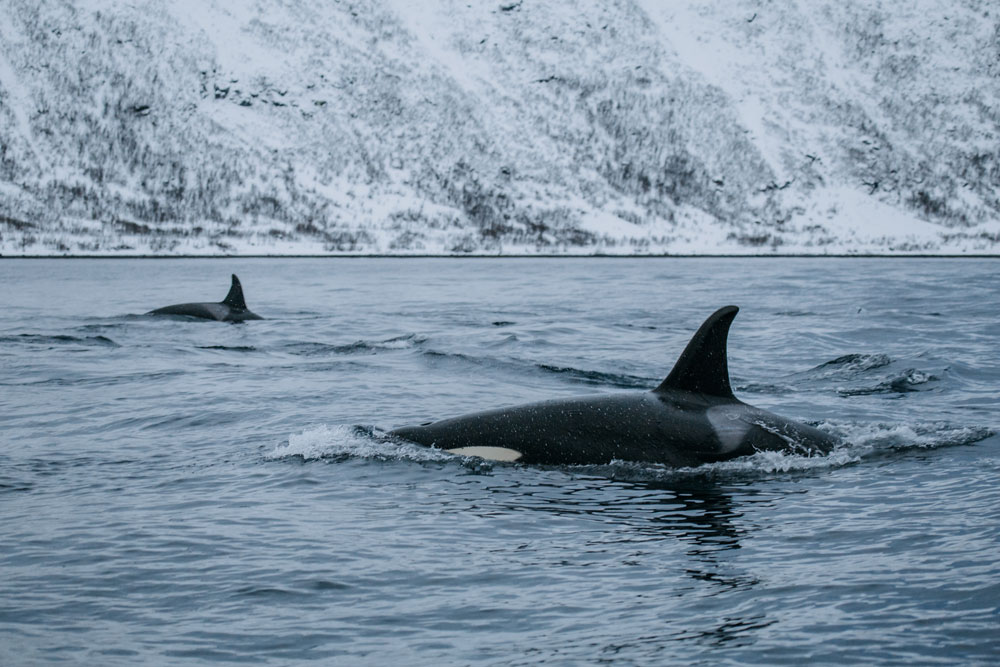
pixel 231 309
pixel 692 417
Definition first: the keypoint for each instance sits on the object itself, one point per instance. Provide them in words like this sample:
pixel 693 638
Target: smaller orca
pixel 691 418
pixel 231 309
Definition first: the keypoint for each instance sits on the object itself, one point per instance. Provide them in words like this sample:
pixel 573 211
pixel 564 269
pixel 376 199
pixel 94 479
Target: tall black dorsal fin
pixel 702 368
pixel 235 297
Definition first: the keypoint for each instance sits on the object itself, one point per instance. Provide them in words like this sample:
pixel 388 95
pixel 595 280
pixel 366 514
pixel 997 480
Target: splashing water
pixel 339 442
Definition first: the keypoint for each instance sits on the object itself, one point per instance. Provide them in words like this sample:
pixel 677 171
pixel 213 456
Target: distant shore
pixel 524 256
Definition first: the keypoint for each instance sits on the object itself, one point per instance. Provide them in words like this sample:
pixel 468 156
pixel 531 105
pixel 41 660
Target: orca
pixel 231 309
pixel 691 418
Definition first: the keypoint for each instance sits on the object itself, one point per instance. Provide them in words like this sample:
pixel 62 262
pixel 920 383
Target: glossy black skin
pixel 672 428
pixel 231 309
pixel 691 418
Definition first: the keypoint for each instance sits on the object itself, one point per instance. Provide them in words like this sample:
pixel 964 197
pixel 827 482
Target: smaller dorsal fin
pixel 702 368
pixel 235 297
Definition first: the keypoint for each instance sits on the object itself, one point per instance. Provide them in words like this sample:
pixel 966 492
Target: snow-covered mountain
pixel 628 126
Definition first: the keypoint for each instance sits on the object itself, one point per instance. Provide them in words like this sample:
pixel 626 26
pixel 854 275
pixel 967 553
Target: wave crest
pixel 342 442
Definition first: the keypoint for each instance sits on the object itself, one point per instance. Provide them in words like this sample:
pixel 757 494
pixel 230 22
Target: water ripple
pixel 179 493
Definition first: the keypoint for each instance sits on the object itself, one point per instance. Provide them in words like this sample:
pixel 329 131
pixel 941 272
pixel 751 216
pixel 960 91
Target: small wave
pixel 880 438
pixel 509 339
pixel 753 466
pixel 908 381
pixel 342 442
pixel 765 388
pixel 457 356
pixel 39 339
pixel 852 363
pixel 580 375
pixel 102 325
pixel 600 378
pixel 630 325
pixel 313 349
pixel 267 592
pixel 109 380
pixel 230 348
pixel 15 486
pixel 403 342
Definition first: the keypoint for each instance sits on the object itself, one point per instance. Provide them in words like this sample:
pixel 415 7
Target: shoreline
pixel 522 256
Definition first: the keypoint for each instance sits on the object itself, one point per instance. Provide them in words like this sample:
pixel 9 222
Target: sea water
pixel 179 491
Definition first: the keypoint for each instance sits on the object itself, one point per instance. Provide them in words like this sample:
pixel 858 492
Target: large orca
pixel 231 309
pixel 691 418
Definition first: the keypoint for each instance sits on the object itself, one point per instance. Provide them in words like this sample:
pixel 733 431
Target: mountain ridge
pixel 514 128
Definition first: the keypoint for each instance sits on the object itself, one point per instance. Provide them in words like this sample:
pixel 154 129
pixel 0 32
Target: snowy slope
pixel 637 126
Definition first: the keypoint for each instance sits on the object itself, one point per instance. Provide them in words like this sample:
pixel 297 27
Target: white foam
pixel 325 442
pixel 919 435
pixel 860 441
pixel 400 342
pixel 772 462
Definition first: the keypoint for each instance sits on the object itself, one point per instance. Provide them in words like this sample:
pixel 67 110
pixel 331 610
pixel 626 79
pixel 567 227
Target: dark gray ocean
pixel 176 491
